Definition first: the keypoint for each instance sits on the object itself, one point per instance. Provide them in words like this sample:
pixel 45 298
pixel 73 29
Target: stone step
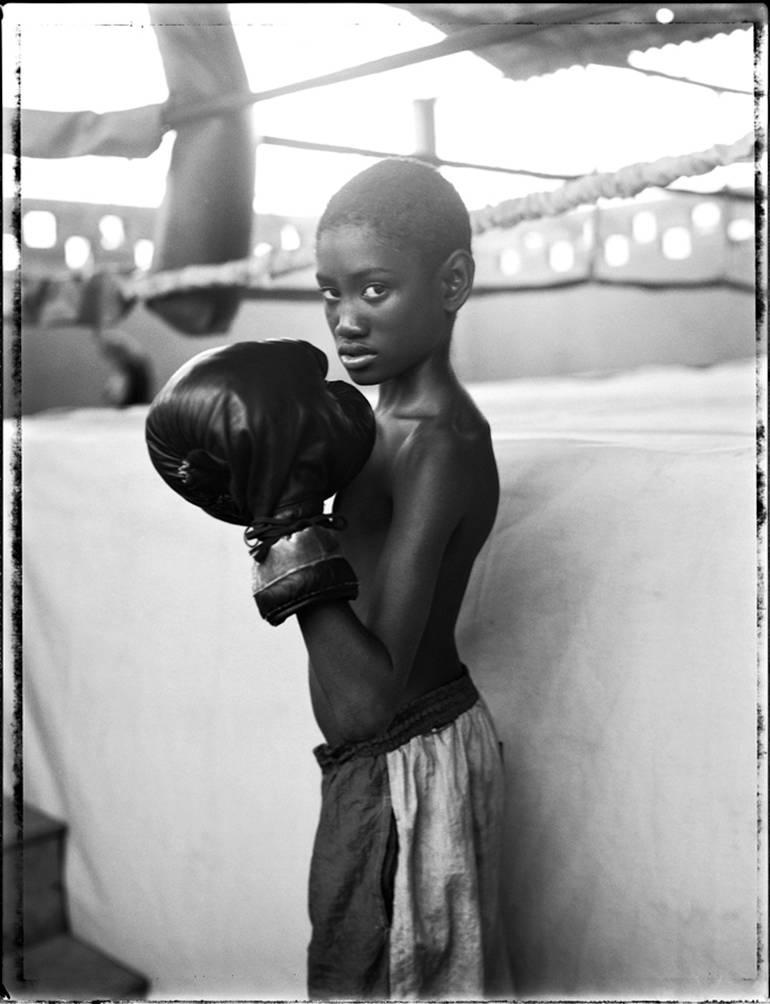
pixel 36 824
pixel 64 968
pixel 33 889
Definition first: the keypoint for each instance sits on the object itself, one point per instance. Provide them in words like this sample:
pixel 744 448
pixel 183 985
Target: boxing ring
pixel 610 623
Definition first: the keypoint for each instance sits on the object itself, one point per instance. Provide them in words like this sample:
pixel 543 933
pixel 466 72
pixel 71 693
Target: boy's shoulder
pixel 449 440
pixel 456 423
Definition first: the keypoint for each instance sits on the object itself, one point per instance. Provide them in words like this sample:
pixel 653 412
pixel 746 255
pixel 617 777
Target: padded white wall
pixel 610 623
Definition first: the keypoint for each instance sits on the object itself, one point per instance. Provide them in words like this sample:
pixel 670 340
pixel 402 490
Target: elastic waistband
pixel 428 713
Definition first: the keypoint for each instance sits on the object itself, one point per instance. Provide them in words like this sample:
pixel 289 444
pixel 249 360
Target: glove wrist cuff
pixel 265 531
pixel 303 567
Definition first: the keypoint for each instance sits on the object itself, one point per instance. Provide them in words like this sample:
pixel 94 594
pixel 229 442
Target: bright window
pixel 617 250
pixel 676 243
pixel 39 229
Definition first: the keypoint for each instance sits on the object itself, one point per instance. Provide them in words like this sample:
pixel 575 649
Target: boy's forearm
pixel 352 667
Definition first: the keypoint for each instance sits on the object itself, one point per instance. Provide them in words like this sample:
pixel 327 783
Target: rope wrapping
pixel 244 272
pixel 624 183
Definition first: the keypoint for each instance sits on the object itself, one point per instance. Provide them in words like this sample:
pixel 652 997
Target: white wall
pixel 610 623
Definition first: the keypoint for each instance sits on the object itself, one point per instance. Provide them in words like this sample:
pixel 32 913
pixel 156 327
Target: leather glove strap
pixel 264 531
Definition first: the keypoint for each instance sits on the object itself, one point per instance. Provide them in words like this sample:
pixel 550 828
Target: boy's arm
pixel 362 670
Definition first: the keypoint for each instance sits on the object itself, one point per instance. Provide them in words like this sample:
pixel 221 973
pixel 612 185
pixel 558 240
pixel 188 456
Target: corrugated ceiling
pixel 550 36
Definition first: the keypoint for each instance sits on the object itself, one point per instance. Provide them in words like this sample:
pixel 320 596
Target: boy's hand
pixel 253 434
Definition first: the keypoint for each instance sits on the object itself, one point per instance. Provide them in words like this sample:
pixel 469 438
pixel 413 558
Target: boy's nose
pixel 349 323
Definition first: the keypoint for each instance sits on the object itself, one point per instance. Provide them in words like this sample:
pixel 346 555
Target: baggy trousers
pixel 404 881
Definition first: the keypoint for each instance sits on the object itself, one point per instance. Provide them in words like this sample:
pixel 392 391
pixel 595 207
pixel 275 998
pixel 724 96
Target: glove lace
pixel 266 530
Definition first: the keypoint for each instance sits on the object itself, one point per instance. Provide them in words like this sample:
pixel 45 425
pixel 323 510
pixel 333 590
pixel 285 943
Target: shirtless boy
pixel 404 876
pixel 404 880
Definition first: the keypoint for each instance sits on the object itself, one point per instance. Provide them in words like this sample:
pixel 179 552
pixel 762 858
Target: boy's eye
pixel 374 291
pixel 329 293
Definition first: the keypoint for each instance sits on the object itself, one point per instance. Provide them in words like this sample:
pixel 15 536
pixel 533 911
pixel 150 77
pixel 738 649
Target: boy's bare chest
pixel 367 502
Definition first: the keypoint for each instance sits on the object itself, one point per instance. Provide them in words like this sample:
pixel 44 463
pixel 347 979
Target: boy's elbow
pixel 367 723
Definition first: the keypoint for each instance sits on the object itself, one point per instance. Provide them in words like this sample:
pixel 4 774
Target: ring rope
pixel 623 183
pixel 245 272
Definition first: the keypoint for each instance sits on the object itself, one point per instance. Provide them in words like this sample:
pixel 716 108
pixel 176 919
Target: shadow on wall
pixel 499 336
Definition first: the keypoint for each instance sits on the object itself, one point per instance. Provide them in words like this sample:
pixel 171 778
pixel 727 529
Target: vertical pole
pixel 425 128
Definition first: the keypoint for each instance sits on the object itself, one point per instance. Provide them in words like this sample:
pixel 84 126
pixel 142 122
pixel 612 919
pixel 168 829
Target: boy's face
pixel 382 306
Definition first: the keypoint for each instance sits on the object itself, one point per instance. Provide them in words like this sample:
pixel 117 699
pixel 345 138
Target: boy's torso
pixel 368 503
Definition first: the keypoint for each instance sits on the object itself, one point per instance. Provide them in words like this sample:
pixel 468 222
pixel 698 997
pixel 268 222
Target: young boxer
pixel 404 877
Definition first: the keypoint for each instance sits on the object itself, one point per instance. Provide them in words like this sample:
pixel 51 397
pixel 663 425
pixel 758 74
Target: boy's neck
pixel 421 390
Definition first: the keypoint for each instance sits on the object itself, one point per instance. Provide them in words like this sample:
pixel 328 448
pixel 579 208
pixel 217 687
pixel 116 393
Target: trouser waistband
pixel 432 711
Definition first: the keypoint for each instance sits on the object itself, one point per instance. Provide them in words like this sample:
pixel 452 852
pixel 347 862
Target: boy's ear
pixel 457 274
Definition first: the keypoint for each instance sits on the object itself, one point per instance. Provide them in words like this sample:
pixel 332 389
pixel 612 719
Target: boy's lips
pixel 355 356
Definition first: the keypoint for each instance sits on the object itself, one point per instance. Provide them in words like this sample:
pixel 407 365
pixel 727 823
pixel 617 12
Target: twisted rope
pixel 246 272
pixel 623 183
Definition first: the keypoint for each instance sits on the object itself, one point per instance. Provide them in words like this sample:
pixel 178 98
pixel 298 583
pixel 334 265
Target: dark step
pixel 33 862
pixel 66 969
pixel 35 824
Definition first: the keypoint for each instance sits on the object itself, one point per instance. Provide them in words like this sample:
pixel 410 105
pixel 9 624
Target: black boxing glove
pixel 253 434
